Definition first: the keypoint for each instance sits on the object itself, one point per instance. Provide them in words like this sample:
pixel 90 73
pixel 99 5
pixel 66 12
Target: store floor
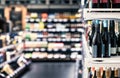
pixel 51 70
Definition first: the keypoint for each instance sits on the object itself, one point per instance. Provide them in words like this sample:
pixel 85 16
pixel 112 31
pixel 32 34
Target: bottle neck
pixel 105 29
pixel 112 26
pixel 98 4
pixel 108 4
pixel 93 29
pixel 112 30
pixel 97 28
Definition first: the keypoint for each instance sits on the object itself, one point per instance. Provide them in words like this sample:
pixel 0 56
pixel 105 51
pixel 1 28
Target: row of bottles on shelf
pixel 11 60
pixel 10 53
pixel 52 26
pixel 57 21
pixel 41 26
pixel 54 39
pixel 45 36
pixel 37 20
pixel 10 38
pixel 105 3
pixel 65 15
pixel 103 39
pixel 54 50
pixel 44 46
pixel 37 29
pixel 45 55
pixel 103 72
pixel 36 2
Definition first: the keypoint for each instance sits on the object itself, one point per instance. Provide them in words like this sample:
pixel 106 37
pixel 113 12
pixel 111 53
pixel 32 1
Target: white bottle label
pixel 118 72
pixel 94 51
pixel 109 50
pixel 119 49
pixel 103 50
pixel 113 50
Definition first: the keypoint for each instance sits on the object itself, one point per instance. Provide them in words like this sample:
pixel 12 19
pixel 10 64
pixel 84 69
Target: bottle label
pixel 113 50
pixel 109 49
pixel 119 49
pixel 94 51
pixel 118 72
pixel 103 50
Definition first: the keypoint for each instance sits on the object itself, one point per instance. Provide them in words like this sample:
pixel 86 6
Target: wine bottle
pixel 116 3
pixel 113 38
pixel 98 73
pixel 92 33
pixel 1 43
pixel 95 4
pixel 106 40
pixel 108 4
pixel 103 76
pixel 102 28
pixel 116 73
pixel 108 72
pixel 101 72
pixel 89 72
pixel 112 73
pixel 97 44
pixel 118 44
pixel 98 4
pixel 95 76
pixel 92 72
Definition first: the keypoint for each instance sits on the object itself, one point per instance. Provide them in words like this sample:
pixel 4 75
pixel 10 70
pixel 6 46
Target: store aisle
pixel 51 70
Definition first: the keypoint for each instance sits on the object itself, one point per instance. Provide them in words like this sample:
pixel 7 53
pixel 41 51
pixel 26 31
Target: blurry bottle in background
pixel 118 39
pixel 106 40
pixel 113 38
pixel 97 43
pixel 92 32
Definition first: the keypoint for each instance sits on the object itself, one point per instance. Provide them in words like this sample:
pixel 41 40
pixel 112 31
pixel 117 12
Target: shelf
pixel 18 70
pixel 56 30
pixel 86 51
pixel 64 40
pixel 7 47
pixel 88 57
pixel 54 60
pixel 54 50
pixel 103 62
pixel 12 60
pixel 54 56
pixel 90 14
pixel 37 20
pixel 37 6
pixel 52 6
pixel 10 46
pixel 88 61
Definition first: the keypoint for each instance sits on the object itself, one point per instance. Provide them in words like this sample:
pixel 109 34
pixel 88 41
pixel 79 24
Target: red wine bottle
pixel 113 38
pixel 118 44
pixel 97 44
pixel 108 4
pixel 106 40
pixel 92 33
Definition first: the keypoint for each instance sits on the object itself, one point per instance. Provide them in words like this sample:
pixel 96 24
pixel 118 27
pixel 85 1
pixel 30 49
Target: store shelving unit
pixel 17 50
pixel 19 70
pixel 43 4
pixel 53 39
pixel 101 13
pixel 88 61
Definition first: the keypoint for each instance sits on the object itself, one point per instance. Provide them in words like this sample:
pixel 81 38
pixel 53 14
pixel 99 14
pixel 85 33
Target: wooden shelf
pixel 100 13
